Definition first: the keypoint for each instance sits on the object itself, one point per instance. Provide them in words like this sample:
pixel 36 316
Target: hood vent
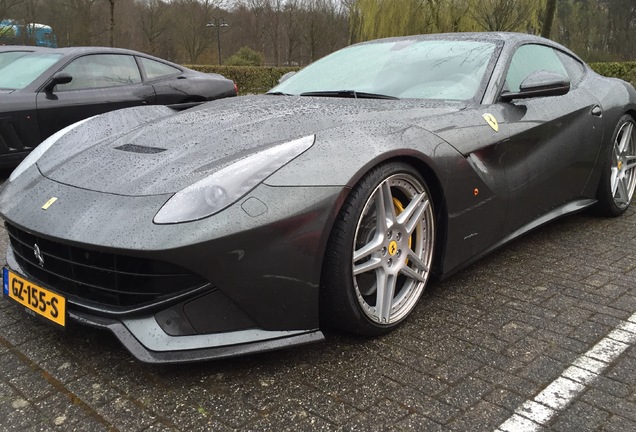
pixel 133 148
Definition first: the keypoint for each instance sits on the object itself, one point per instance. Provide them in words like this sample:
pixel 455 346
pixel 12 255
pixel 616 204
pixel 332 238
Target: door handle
pixel 597 111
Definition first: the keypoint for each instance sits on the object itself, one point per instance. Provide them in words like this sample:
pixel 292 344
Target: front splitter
pixel 186 349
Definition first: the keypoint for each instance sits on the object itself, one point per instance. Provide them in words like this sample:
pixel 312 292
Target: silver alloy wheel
pixel 393 249
pixel 623 174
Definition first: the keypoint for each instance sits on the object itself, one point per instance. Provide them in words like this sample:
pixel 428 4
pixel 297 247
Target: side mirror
pixel 286 76
pixel 58 78
pixel 540 84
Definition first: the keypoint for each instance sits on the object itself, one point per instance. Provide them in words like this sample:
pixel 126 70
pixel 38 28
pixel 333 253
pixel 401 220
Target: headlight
pixel 39 150
pixel 226 186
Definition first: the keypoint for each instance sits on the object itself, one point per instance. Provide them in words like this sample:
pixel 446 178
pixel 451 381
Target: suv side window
pixel 101 70
pixel 532 58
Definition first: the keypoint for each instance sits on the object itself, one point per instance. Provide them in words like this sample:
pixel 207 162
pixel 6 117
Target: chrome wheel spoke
pixel 412 214
pixel 374 245
pixel 626 138
pixel 614 180
pixel 417 261
pixel 409 272
pixel 622 191
pixel 385 293
pixel 366 266
pixel 631 163
pixel 385 212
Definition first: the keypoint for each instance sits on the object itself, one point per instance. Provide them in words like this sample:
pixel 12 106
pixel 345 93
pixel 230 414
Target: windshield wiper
pixel 348 93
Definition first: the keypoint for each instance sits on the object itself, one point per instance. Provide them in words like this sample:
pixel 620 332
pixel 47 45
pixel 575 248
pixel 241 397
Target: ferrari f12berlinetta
pixel 249 224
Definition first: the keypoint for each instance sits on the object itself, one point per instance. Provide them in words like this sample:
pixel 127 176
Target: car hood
pixel 166 154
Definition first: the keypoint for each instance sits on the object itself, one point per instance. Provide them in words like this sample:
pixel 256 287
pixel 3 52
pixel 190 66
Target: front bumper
pixel 150 342
pixel 262 268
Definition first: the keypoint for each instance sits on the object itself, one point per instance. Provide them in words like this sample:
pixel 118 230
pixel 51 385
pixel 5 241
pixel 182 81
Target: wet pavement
pixel 480 353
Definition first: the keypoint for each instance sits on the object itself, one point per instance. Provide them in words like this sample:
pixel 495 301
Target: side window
pixel 101 70
pixel 575 68
pixel 532 58
pixel 155 69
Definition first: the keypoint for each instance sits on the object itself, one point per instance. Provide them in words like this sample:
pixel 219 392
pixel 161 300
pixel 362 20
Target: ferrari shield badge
pixel 49 203
pixel 393 247
pixel 492 121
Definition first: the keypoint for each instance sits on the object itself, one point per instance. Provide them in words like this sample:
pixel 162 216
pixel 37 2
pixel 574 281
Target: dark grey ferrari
pixel 252 223
pixel 43 90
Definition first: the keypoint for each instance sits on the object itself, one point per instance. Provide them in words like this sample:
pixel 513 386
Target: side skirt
pixel 566 209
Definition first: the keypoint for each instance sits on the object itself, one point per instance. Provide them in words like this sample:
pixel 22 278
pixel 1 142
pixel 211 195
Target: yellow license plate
pixel 40 300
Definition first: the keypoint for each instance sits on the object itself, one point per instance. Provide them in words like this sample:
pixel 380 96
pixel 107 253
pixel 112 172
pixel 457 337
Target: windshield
pixel 419 69
pixel 23 70
pixel 9 56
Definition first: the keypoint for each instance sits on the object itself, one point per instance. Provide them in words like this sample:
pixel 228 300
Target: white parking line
pixel 534 414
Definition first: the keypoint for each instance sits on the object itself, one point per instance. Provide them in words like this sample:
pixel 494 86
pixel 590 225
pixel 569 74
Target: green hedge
pixel 250 79
pixel 623 70
pixel 259 79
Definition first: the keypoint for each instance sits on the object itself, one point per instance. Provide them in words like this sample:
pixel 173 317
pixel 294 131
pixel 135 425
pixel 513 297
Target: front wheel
pixel 618 180
pixel 380 252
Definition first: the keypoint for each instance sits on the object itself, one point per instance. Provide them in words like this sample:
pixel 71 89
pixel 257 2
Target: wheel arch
pixel 437 194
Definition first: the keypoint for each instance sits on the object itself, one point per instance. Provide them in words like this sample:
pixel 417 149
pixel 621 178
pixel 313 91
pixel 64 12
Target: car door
pixel 101 83
pixel 171 87
pixel 553 140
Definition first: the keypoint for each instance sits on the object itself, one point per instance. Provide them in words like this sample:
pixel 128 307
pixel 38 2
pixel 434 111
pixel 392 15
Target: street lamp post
pixel 218 23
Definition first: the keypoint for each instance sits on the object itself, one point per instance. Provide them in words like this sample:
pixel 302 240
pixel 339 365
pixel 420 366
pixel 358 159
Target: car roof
pixel 28 48
pixel 72 51
pixel 507 38
pixel 77 51
pixel 92 50
pixel 486 36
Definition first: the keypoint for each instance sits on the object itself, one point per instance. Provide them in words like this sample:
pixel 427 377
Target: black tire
pixel 402 252
pixel 618 179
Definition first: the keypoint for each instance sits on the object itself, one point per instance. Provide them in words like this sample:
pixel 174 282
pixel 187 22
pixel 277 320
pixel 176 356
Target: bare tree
pixel 504 15
pixel 273 12
pixel 6 8
pixel 292 31
pixel 154 24
pixel 550 12
pixel 190 18
pixel 621 27
pixel 29 17
pixel 111 3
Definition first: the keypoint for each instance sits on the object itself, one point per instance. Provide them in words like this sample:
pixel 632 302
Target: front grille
pixel 104 278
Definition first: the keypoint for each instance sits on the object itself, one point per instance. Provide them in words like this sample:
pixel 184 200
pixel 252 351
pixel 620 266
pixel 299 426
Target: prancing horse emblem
pixel 38 254
pixel 492 121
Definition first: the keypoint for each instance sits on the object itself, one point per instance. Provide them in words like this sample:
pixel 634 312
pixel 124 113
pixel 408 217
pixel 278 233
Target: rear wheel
pixel 618 180
pixel 380 252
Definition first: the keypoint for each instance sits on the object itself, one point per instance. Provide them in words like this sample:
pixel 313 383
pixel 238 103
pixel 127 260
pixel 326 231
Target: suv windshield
pixel 418 69
pixel 24 69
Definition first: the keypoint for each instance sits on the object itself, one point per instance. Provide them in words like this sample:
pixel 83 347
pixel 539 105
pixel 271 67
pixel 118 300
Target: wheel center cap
pixel 393 247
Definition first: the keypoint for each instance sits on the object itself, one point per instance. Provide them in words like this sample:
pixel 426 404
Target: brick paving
pixel 477 347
